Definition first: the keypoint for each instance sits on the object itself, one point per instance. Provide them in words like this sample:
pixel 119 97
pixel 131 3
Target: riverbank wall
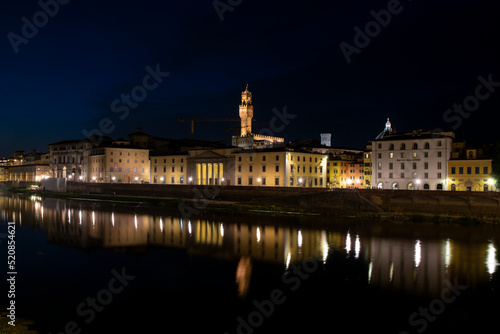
pixel 337 201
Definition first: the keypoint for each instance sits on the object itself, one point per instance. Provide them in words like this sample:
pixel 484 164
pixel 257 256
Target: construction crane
pixel 192 120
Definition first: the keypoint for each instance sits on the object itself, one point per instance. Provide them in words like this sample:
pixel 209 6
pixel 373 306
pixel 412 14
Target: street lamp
pixel 190 179
pixel 258 180
pixel 300 182
pixel 418 183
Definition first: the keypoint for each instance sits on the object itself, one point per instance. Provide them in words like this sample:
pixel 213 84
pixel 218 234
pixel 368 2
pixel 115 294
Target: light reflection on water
pixel 394 260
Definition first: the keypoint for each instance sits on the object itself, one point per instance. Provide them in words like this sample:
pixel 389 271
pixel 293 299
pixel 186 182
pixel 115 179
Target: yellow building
pixel 470 172
pixel 367 163
pixel 169 169
pixel 280 167
pixel 115 163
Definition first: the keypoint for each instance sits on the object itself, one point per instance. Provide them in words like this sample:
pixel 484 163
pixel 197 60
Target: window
pixel 239 158
pixel 426 165
pixel 402 175
pixel 453 170
pixel 277 158
pixel 155 169
pixel 181 180
pixel 469 170
pixel 426 154
pixel 415 146
pixel 263 158
pixel 379 155
pixel 439 165
pixel 426 175
pixel 277 168
pixel 379 166
pixel 402 155
pixel 390 165
pixel 173 169
pixel 291 168
pixel 263 181
pixel 402 165
pixel 414 154
pixel 390 175
pixel 250 158
pixel 485 170
pixel 403 146
pixel 439 154
pixel 391 147
pixel 391 155
pixel 164 169
pixel 239 168
pixel 426 146
pixel 173 160
pixel 379 175
pixel 239 179
pixel 440 143
pixel 291 181
pixel 460 170
pixel 250 168
pixel 276 181
pixel 142 170
pixel 476 170
pixel 439 175
pixel 135 170
pixel 263 168
pixel 172 180
pixel 414 165
pixel 250 181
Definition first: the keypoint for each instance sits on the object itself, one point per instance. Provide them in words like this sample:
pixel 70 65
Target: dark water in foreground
pixel 85 267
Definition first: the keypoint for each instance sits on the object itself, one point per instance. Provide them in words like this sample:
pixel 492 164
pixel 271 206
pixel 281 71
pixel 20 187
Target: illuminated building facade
pixel 118 163
pixel 469 170
pixel 413 160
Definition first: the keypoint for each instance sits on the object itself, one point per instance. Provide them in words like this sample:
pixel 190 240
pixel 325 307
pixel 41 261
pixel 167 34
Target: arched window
pixel 403 146
pixel 426 146
pixel 391 147
pixel 395 186
pixel 439 186
pixel 426 186
pixel 410 186
pixel 415 146
pixel 453 187
pixel 380 185
pixel 485 187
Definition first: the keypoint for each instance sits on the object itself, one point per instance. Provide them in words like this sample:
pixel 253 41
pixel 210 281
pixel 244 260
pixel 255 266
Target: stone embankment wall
pixel 226 193
pixel 479 204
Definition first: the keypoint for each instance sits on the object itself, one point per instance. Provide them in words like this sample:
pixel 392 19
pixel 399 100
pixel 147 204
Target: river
pixel 99 267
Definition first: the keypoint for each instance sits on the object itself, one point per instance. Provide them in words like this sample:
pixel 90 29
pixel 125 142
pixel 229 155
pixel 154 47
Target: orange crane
pixel 192 120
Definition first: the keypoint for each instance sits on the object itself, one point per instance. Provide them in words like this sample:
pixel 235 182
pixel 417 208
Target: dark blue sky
pixel 63 79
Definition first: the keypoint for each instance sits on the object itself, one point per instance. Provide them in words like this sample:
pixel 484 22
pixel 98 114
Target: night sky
pixel 72 71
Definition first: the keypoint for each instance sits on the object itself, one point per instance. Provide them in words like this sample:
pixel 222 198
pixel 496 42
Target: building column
pixel 216 174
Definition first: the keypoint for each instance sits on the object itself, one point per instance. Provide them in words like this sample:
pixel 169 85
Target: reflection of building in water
pixel 422 267
pixel 415 266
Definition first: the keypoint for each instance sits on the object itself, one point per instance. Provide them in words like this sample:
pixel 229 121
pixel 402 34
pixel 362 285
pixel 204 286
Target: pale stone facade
pixel 121 164
pixel 413 160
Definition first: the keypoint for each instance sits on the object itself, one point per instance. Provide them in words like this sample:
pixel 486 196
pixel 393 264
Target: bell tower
pixel 246 112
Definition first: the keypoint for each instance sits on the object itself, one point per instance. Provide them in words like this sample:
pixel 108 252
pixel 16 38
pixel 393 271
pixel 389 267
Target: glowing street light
pixel 418 183
pixel 190 179
pixel 258 180
pixel 300 182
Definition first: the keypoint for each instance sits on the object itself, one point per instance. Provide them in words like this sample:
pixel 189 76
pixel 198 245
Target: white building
pixel 411 160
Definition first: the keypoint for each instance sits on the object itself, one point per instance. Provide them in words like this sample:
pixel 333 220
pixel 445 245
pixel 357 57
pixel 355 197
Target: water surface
pixel 101 268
